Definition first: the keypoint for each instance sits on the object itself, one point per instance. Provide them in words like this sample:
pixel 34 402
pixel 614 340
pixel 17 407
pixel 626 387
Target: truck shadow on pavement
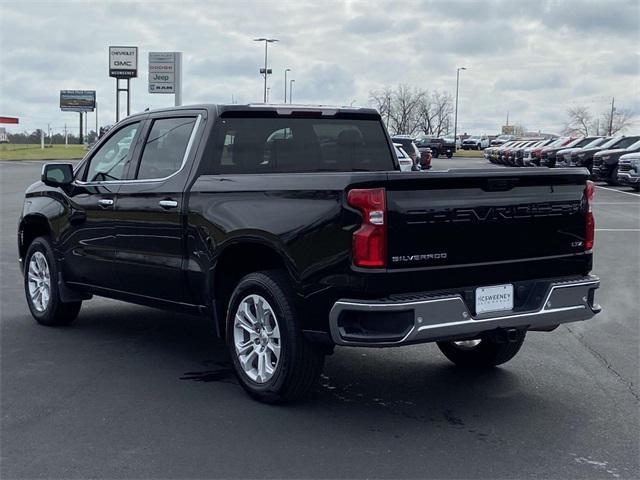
pixel 415 378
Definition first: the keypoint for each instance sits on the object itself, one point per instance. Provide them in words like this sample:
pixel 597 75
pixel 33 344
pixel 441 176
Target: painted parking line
pixel 617 229
pixel 618 191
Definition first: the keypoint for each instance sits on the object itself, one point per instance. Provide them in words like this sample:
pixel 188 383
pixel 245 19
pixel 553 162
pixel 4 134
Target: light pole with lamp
pixel 291 89
pixel 285 83
pixel 455 121
pixel 265 71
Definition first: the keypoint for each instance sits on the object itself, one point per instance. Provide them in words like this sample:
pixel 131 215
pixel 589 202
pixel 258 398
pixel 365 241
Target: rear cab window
pixel 289 144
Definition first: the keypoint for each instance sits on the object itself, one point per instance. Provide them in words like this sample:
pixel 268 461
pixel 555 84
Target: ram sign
pixel 164 71
pixel 123 62
pixel 77 100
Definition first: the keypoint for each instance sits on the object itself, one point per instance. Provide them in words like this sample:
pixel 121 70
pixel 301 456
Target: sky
pixel 533 59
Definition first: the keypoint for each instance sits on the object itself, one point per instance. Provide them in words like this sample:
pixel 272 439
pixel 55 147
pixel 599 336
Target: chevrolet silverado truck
pixel 294 231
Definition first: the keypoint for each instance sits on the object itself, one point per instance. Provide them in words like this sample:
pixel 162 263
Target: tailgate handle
pixel 500 184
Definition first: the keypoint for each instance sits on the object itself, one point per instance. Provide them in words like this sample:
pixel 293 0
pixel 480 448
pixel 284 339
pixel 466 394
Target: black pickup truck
pixel 294 231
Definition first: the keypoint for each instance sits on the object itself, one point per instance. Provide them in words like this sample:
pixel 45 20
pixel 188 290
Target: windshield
pixel 625 142
pixel 558 143
pixel 596 142
pixel 635 146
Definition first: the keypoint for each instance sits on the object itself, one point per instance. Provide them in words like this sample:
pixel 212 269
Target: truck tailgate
pixel 465 217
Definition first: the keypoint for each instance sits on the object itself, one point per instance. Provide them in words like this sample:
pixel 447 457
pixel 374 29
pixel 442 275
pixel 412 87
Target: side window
pixel 109 162
pixel 165 147
pixel 227 148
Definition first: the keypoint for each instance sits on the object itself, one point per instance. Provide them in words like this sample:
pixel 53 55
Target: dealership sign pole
pixel 123 64
pixel 80 101
pixel 165 74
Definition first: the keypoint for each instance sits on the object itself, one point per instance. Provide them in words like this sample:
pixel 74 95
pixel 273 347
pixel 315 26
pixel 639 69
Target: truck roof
pixel 282 109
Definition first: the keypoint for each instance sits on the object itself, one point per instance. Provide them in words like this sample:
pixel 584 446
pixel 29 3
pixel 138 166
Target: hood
pixel 610 152
pixel 590 150
pixel 630 156
pixel 564 151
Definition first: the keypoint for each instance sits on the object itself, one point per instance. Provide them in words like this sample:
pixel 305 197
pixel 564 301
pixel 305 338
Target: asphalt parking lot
pixel 133 392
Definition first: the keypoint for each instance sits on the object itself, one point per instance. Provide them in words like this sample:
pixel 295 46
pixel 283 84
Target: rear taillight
pixel 590 221
pixel 370 240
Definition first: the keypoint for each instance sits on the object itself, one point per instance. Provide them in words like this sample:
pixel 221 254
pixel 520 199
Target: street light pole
pixel 265 70
pixel 291 90
pixel 455 121
pixel 285 83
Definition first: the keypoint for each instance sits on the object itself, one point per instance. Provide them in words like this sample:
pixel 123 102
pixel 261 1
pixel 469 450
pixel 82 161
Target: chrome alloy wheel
pixel 256 337
pixel 39 281
pixel 467 344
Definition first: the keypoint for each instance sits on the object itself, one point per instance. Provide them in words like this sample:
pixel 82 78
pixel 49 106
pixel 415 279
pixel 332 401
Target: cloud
pixel 532 81
pixel 531 57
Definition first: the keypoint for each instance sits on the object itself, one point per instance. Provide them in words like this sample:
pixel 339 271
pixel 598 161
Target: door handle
pixel 168 203
pixel 105 202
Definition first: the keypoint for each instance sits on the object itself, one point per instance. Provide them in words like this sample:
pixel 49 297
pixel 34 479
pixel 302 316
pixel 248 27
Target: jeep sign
pixel 165 70
pixel 123 62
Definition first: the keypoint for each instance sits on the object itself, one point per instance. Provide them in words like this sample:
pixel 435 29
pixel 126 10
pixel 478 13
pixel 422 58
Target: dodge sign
pixel 123 62
pixel 164 71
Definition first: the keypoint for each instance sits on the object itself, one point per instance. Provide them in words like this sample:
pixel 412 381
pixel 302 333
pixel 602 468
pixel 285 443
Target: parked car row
pixel 475 143
pixel 602 156
pixel 406 148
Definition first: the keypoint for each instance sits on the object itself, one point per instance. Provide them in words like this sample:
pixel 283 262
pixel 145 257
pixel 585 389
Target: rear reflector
pixel 589 235
pixel 370 240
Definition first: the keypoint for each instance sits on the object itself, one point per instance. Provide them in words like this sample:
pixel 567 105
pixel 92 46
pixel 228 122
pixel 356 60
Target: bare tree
pixel 433 113
pixel 405 103
pixel 382 101
pixel 622 119
pixel 580 121
pixel 407 110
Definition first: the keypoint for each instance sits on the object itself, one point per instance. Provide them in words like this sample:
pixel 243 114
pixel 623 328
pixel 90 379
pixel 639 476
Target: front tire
pixel 41 287
pixel 272 359
pixel 483 352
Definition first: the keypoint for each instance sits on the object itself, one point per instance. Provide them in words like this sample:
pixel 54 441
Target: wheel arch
pixel 237 259
pixel 32 226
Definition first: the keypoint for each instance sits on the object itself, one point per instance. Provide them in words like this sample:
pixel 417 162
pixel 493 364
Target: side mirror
pixel 57 174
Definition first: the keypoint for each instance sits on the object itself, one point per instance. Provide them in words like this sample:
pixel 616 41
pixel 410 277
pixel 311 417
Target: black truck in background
pixel 438 145
pixel 294 231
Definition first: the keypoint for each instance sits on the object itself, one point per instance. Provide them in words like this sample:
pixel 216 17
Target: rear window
pixel 407 143
pixel 288 144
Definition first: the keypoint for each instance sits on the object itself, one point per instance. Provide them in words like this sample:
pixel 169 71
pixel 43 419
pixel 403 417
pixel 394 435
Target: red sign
pixel 9 120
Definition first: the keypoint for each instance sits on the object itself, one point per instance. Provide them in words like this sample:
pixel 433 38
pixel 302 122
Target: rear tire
pixel 487 353
pixel 265 375
pixel 41 286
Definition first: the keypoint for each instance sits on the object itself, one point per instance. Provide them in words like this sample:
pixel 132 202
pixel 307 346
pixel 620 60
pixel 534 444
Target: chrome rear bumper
pixel 432 318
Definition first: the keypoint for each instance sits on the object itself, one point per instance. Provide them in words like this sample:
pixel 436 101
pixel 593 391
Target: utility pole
pixel 291 90
pixel 268 92
pixel 455 122
pixel 66 137
pixel 285 83
pixel 81 125
pixel 97 132
pixel 613 109
pixel 265 71
pixel 49 132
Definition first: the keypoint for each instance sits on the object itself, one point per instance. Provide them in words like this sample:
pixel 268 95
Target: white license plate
pixel 494 299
